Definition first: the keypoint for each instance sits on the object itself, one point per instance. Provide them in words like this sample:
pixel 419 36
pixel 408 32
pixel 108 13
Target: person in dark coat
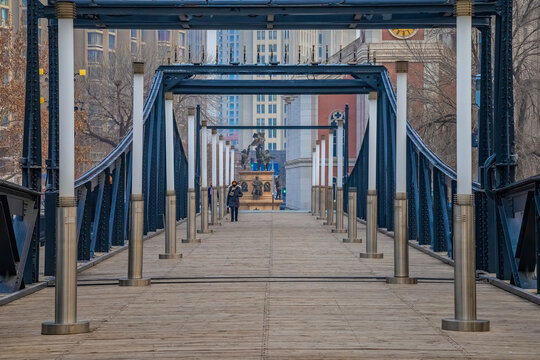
pixel 234 193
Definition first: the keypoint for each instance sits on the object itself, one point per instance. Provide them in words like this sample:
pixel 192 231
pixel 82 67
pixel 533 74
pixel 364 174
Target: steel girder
pixel 270 14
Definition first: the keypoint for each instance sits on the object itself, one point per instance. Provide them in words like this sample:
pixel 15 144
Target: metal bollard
pixel 329 206
pixel 135 260
pixel 317 193
pixel 352 223
pixel 339 212
pixel 464 269
pixel 170 228
pixel 191 221
pixel 322 203
pixel 312 200
pixel 204 212
pixel 371 230
pixel 214 217
pixel 401 243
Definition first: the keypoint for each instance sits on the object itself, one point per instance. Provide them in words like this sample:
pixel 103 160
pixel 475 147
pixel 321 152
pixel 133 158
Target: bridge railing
pixel 430 189
pixel 103 193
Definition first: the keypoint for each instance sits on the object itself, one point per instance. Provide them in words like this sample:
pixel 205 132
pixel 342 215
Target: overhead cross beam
pixel 270 14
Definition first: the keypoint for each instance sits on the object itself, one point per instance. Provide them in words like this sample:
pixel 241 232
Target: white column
pixel 313 167
pixel 169 145
pixel 339 150
pixel 330 157
pixel 463 105
pixel 323 160
pixel 66 102
pixel 372 163
pixel 204 155
pixel 231 166
pixel 317 162
pixel 227 162
pixel 191 148
pixel 401 128
pixel 138 141
pixel 214 162
pixel 220 159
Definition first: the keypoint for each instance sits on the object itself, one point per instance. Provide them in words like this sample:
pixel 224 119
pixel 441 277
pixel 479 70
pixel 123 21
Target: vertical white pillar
pixel 371 201
pixel 215 187
pixel 329 190
pixel 372 154
pixel 231 166
pixel 227 163
pixel 204 178
pixel 322 188
pixel 313 186
pixel 339 181
pixel 191 222
pixel 463 203
pixel 317 162
pixel 170 197
pixel 401 127
pixel 65 309
pixel 221 145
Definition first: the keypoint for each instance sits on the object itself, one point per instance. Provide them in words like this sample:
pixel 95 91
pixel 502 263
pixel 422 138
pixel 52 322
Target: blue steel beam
pixel 271 14
pixel 277 127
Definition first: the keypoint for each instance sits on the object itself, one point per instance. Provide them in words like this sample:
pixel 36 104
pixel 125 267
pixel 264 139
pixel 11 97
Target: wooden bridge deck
pixel 272 286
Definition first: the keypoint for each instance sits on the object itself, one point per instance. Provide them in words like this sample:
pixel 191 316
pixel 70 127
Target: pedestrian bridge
pixel 273 285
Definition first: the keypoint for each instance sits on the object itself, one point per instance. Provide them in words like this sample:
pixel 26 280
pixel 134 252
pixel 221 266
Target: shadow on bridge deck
pixel 274 285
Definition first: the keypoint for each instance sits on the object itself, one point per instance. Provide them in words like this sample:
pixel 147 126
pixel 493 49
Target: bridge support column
pixel 371 226
pixel 339 179
pixel 191 213
pixel 135 257
pixel 317 177
pixel 204 180
pixel 401 241
pixel 352 223
pixel 221 189
pixel 170 198
pixel 65 309
pixel 322 188
pixel 464 231
pixel 214 184
pixel 330 189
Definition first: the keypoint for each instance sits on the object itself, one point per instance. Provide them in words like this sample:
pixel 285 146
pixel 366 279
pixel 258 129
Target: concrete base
pixel 194 241
pixel 209 231
pixel 134 282
pixel 347 240
pixel 170 256
pixel 465 325
pixel 371 255
pixel 50 328
pixel 336 231
pixel 401 280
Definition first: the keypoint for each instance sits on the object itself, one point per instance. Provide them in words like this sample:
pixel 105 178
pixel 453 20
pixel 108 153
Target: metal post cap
pixel 191 111
pixel 372 95
pixel 323 137
pixel 203 123
pixel 220 137
pixel 138 67
pixel 65 9
pixel 227 142
pixel 330 131
pixel 463 8
pixel 168 95
pixel 214 131
pixel 402 66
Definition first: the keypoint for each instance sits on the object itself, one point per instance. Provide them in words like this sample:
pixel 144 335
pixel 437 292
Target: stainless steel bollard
pixel 329 206
pixel 316 209
pixel 322 203
pixel 371 228
pixel 464 269
pixel 191 221
pixel 65 306
pixel 352 222
pixel 204 212
pixel 170 228
pixel 339 212
pixel 401 243
pixel 135 260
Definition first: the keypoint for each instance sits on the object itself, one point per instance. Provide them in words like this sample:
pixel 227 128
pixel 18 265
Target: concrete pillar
pixel 221 148
pixel 192 212
pixel 313 186
pixel 170 197
pixel 371 226
pixel 329 187
pixel 204 179
pixel 227 163
pixel 352 222
pixel 317 176
pixel 463 205
pixel 401 241
pixel 339 179
pixel 322 187
pixel 231 167
pixel 214 185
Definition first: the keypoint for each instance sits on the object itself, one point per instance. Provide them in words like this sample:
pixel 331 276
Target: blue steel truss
pixel 431 184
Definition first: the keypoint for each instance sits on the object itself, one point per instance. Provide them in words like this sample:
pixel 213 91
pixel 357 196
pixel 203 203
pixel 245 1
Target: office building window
pixel 164 35
pixel 95 55
pixel 133 34
pixel 262 109
pixel 112 41
pixel 258 108
pixel 95 38
pixel 263 34
pixel 182 38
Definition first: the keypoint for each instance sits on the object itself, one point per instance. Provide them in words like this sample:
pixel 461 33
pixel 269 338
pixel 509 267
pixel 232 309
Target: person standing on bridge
pixel 234 193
